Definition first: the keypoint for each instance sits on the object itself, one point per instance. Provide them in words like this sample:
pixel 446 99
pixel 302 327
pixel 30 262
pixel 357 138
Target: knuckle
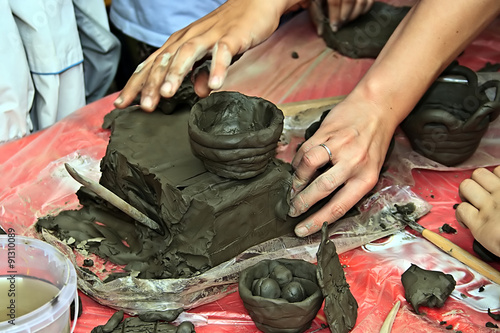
pixel 327 183
pixel 337 211
pixel 309 160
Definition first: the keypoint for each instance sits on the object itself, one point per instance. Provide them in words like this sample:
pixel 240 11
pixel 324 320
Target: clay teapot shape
pixel 450 120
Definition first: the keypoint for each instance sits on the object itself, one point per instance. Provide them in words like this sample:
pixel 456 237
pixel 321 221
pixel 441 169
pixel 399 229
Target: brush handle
pixel 460 254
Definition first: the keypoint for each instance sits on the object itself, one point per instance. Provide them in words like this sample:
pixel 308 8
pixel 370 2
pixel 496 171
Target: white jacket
pixel 55 55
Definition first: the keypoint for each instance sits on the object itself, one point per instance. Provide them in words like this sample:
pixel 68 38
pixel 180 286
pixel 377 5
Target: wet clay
pixel 365 36
pixel 341 308
pixel 116 324
pixel 450 120
pixel 205 219
pixel 275 315
pixel 427 288
pixel 235 135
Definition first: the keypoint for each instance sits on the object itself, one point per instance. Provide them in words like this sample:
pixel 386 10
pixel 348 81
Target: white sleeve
pixel 16 86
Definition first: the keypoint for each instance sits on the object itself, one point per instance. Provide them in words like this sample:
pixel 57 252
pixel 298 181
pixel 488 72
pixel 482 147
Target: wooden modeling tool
pixel 389 320
pixel 454 250
pixel 113 199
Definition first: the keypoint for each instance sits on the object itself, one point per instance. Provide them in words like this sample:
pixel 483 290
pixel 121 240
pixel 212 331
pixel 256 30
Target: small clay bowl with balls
pixel 235 135
pixel 281 295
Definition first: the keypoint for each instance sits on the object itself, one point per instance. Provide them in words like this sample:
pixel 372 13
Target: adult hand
pixel 338 12
pixel 357 137
pixel 480 209
pixel 231 29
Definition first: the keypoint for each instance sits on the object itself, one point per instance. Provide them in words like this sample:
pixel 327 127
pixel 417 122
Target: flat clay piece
pixel 427 288
pixel 116 324
pixel 365 36
pixel 206 219
pixel 279 315
pixel 450 120
pixel 341 308
pixel 235 135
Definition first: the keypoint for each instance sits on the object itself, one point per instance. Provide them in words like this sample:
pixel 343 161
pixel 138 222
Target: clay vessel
pixel 235 135
pixel 278 315
pixel 450 120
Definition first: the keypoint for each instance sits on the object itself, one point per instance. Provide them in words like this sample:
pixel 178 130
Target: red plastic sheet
pixel 269 71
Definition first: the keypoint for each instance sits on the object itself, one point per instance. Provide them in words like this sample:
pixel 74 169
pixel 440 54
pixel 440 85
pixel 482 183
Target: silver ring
pixel 327 150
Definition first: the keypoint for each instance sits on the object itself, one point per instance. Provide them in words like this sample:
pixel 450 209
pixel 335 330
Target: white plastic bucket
pixel 22 257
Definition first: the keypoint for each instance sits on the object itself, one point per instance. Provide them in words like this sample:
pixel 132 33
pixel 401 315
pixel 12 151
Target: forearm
pixel 431 36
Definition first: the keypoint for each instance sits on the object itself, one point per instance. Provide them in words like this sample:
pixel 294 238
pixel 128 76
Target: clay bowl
pixel 235 135
pixel 278 315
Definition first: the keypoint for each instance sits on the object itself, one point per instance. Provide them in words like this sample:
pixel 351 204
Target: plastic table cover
pixel 373 271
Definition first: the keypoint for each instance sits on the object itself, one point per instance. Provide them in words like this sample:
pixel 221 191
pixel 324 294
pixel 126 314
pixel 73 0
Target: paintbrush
pixel 453 250
pixel 113 199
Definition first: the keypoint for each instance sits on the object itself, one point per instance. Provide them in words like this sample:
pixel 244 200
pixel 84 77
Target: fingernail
pixel 292 211
pixel 147 102
pixel 292 193
pixel 166 89
pixel 301 231
pixel 118 101
pixel 334 27
pixel 215 83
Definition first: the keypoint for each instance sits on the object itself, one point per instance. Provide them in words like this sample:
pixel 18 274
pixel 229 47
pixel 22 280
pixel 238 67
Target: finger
pixel 334 8
pixel 337 207
pixel 486 179
pixel 320 188
pixel 368 6
pixel 150 92
pixel 496 171
pixel 222 55
pixel 358 9
pixel 474 193
pixel 311 161
pixel 182 62
pixel 134 85
pixel 346 10
pixel 317 16
pixel 467 215
pixel 201 84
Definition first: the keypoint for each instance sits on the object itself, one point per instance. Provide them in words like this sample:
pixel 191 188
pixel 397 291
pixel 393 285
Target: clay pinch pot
pixel 235 135
pixel 272 315
pixel 450 120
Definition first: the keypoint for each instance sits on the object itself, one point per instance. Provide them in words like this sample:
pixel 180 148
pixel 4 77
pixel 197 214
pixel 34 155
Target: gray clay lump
pixel 425 287
pixel 365 36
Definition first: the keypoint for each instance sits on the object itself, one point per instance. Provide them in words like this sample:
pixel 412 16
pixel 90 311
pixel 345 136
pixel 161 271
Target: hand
pixel 231 29
pixel 358 139
pixel 480 211
pixel 339 12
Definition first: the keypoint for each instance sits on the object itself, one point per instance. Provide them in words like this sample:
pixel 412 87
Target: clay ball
pixel 266 287
pixel 293 292
pixel 235 135
pixel 282 275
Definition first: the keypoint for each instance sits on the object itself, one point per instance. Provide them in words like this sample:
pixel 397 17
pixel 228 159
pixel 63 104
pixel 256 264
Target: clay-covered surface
pixel 279 315
pixel 426 287
pixel 235 135
pixel 205 219
pixel 450 120
pixel 365 36
pixel 341 308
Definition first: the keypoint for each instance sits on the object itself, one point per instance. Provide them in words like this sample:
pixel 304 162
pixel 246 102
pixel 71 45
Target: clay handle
pixel 460 254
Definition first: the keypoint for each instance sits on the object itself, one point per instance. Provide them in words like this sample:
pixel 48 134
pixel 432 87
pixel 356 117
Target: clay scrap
pixel 116 324
pixel 426 287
